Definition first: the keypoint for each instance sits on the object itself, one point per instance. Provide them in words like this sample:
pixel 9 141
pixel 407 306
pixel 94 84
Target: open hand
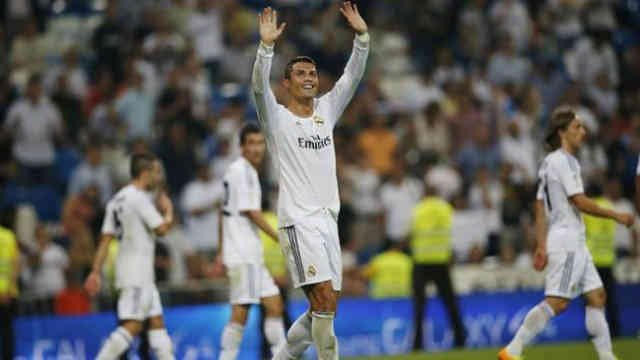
pixel 350 12
pixel 540 259
pixel 268 24
pixel 93 283
pixel 625 219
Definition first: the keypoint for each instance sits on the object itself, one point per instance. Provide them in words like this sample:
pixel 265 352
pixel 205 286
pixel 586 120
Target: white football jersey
pixel 241 243
pixel 559 179
pixel 303 148
pixel 131 217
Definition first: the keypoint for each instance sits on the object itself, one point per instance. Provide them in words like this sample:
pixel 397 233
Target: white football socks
pixel 160 343
pixel 274 332
pixel 598 328
pixel 323 335
pixel 535 321
pixel 231 339
pixel 298 339
pixel 117 343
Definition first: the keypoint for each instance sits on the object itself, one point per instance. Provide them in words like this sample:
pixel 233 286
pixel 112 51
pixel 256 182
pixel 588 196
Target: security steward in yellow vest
pixel 9 270
pixel 430 244
pixel 601 243
pixel 389 273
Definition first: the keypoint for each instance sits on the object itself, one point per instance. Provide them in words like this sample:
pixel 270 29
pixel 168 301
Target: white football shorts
pixel 139 303
pixel 312 249
pixel 570 274
pixel 248 283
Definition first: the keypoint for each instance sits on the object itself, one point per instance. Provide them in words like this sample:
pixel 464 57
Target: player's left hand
pixel 93 283
pixel 350 12
pixel 540 259
pixel 626 219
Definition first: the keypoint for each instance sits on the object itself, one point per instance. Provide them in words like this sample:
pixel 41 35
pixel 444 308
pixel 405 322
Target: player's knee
pixel 239 314
pixel 323 299
pixel 598 298
pixel 274 307
pixel 558 305
pixel 134 327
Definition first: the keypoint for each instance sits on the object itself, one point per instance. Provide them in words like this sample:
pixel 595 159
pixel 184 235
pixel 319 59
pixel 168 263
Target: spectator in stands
pixel 164 45
pixel 49 265
pixel 73 299
pixel 79 215
pixel 506 66
pixel 431 251
pixel 34 123
pixel 398 196
pixel 469 231
pixel 178 157
pixel 72 70
pixel 70 107
pixel 378 144
pixel 364 184
pixel 107 41
pixel 9 273
pixel 389 273
pixel 512 17
pixel 201 201
pixel 136 104
pixel 591 56
pixel 481 152
pixel 205 26
pixel 432 132
pixel 27 53
pixel 92 171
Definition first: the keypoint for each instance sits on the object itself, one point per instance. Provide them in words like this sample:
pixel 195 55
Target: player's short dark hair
pixel 560 120
pixel 289 68
pixel 35 79
pixel 141 162
pixel 249 128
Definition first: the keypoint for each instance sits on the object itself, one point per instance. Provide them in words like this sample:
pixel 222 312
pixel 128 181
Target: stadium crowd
pixel 456 96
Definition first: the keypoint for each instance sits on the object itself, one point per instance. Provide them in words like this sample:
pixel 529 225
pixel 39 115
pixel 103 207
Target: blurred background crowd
pixel 456 97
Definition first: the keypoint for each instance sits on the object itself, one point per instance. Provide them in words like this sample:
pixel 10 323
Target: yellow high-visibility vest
pixel 390 275
pixel 273 259
pixel 9 254
pixel 601 236
pixel 431 231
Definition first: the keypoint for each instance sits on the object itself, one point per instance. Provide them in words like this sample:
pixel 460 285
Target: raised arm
pixel 260 86
pixel 346 86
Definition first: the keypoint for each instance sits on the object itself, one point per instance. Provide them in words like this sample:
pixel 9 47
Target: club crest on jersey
pixel 318 120
pixel 311 271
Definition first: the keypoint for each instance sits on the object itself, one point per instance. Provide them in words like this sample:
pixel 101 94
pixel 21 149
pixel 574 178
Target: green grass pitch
pixel 627 349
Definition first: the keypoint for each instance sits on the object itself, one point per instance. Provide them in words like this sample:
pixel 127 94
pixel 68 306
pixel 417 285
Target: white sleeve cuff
pixel 363 37
pixel 266 49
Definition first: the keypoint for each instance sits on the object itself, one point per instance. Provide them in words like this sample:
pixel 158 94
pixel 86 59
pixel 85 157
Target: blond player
pixel 561 239
pixel 300 140
pixel 135 219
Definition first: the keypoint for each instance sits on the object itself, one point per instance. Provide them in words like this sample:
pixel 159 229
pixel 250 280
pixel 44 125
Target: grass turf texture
pixel 627 349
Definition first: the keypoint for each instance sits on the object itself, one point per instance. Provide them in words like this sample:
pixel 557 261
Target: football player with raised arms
pixel 299 137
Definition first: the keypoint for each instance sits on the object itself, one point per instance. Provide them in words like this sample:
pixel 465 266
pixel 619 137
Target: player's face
pixel 303 82
pixel 253 148
pixel 155 175
pixel 575 133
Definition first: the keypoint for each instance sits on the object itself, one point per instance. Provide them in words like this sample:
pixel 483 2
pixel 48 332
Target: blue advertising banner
pixel 364 326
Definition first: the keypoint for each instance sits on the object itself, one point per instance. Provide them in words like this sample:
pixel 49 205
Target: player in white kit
pixel 135 218
pixel 242 253
pixel 300 139
pixel 561 240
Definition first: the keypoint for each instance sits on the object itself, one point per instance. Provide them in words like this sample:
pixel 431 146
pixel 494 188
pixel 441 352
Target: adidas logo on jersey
pixel 315 142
